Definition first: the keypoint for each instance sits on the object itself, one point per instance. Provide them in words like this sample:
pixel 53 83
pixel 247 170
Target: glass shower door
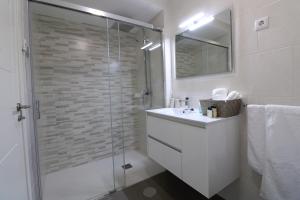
pixel 72 87
pixel 116 99
pixel 131 91
pixel 92 83
pixel 127 81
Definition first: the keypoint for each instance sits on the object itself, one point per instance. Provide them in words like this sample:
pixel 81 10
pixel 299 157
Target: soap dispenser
pixel 209 112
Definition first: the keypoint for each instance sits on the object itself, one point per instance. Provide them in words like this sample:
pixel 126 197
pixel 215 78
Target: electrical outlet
pixel 262 23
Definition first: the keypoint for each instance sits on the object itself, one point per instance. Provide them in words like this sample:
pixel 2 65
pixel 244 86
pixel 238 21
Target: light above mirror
pixel 149 45
pixel 196 22
pixel 200 23
pixel 154 47
pixel 191 20
pixel 146 45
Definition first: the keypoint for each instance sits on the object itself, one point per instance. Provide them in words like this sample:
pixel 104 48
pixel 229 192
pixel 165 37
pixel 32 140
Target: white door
pixel 12 156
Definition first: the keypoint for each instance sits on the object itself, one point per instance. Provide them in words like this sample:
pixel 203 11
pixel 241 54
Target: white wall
pixel 202 86
pixel 267 63
pixel 16 152
pixel 269 60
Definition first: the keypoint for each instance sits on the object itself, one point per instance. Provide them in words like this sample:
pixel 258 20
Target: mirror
pixel 206 50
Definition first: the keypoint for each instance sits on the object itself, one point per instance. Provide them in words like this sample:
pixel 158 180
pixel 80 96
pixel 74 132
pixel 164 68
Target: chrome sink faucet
pixel 187 105
pixel 187 102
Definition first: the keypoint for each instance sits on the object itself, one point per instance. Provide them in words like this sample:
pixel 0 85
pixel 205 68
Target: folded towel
pixel 281 173
pixel 233 95
pixel 256 137
pixel 219 94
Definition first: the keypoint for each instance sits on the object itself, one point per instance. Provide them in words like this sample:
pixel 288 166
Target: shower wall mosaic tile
pixel 185 62
pixel 78 87
pixel 201 60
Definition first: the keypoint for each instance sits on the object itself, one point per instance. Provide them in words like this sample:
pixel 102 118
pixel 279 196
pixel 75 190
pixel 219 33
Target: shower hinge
pixel 25 48
pixel 37 109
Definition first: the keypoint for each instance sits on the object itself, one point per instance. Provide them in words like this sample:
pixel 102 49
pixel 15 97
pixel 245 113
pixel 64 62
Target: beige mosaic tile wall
pixel 73 84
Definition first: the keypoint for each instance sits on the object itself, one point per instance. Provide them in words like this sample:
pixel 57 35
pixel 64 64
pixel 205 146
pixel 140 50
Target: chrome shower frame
pixel 92 11
pixel 82 9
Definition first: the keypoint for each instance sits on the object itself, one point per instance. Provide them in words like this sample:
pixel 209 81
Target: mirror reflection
pixel 205 50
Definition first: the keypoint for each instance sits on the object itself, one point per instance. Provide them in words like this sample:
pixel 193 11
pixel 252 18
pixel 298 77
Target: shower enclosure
pixel 91 85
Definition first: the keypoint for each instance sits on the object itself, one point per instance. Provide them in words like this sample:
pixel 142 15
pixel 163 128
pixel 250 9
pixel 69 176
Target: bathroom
pixel 95 91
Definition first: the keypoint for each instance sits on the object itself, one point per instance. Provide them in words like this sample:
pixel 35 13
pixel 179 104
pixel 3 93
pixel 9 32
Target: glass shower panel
pixel 128 88
pixel 116 98
pixel 124 55
pixel 72 84
pixel 147 92
pixel 155 70
pixel 132 91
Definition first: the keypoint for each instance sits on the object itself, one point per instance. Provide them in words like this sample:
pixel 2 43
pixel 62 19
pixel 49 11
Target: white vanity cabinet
pixel 164 143
pixel 201 151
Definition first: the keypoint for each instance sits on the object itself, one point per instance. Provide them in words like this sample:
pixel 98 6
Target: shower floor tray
pixel 94 180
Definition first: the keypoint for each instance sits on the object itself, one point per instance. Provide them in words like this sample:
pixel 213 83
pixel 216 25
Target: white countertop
pixel 193 118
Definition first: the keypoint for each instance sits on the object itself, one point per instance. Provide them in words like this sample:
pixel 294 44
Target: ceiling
pixel 143 10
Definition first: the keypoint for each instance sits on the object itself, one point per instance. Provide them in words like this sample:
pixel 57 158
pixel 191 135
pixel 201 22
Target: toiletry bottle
pixel 182 103
pixel 214 111
pixel 209 112
pixel 177 103
pixel 200 109
pixel 172 102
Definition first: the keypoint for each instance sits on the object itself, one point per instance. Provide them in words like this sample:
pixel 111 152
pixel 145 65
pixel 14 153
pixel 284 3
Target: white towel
pixel 281 174
pixel 256 136
pixel 233 95
pixel 219 93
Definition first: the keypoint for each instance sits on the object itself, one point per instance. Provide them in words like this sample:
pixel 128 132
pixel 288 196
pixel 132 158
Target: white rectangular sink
pixel 176 114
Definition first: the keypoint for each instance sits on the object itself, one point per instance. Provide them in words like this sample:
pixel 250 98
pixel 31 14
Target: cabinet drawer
pixel 166 156
pixel 164 130
pixel 195 159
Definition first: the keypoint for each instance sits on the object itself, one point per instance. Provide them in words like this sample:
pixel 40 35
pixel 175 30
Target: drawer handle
pixel 166 144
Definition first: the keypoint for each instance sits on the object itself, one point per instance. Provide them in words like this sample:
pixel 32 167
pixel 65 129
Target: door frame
pixel 26 95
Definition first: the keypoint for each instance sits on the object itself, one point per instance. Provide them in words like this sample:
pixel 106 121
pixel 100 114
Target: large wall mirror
pixel 206 49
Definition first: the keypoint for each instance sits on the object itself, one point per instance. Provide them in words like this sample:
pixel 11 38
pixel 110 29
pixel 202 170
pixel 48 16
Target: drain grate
pixel 127 166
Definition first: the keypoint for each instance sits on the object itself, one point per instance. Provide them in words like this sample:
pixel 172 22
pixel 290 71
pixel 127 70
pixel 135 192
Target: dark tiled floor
pixel 164 186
